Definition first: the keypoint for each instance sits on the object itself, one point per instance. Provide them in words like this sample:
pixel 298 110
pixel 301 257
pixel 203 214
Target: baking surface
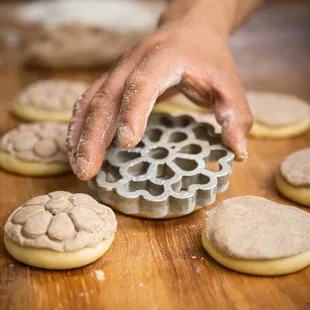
pixel 162 264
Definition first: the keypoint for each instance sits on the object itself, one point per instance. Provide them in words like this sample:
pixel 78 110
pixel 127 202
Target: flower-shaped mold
pixel 37 142
pixel 60 221
pixel 169 172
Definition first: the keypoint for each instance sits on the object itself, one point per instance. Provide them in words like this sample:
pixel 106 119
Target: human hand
pixel 184 54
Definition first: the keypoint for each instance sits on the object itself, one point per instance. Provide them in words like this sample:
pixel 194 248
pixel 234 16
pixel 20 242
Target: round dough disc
pixel 275 267
pixel 278 115
pixel 293 177
pixel 254 235
pixel 48 100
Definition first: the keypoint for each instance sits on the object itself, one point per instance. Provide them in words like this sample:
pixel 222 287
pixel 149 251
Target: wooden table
pixel 162 264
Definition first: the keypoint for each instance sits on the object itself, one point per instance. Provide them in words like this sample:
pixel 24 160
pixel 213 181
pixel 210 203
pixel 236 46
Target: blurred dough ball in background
pixel 83 33
pixel 278 115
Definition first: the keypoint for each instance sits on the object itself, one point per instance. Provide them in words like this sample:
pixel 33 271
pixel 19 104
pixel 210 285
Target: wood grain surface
pixel 162 264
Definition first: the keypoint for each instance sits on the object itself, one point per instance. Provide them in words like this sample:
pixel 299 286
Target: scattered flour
pixel 99 275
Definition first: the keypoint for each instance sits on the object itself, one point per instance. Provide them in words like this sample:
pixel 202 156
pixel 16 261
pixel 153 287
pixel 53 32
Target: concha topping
pixel 250 227
pixel 38 142
pixel 276 109
pixel 60 46
pixel 52 95
pixel 295 168
pixel 61 221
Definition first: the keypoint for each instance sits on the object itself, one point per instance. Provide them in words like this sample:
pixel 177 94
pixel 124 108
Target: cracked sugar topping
pixel 52 95
pixel 61 221
pixel 37 142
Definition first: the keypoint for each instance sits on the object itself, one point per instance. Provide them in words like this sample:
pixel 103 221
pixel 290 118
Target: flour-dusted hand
pixel 189 53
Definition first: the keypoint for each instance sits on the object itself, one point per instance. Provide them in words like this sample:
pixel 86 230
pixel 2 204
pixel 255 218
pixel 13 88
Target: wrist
pixel 223 16
pixel 214 15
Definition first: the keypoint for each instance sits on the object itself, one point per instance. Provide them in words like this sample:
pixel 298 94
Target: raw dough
pixel 37 149
pixel 278 115
pixel 78 45
pixel 49 100
pixel 180 105
pixel 257 236
pixel 293 178
pixel 60 230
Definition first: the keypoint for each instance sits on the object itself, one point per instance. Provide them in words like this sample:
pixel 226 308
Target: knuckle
pixel 102 95
pixel 149 45
pixel 128 51
pixel 135 82
pixel 96 106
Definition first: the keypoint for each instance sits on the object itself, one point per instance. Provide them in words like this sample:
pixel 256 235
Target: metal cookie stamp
pixel 166 174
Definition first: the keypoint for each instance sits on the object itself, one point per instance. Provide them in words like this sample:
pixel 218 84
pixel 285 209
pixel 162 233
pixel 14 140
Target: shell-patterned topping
pixel 61 221
pixel 22 216
pixel 52 95
pixel 81 200
pixel 57 205
pixel 25 141
pixel 37 224
pixel 86 219
pixel 37 142
pixel 46 148
pixel 61 227
pixel 38 200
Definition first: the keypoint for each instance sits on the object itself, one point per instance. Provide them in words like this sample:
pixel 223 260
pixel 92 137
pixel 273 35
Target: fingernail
pixel 125 135
pixel 81 167
pixel 243 153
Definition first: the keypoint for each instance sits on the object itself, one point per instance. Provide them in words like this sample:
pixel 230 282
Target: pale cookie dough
pixel 37 149
pixel 78 45
pixel 60 230
pixel 293 178
pixel 180 105
pixel 278 115
pixel 48 100
pixel 257 236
